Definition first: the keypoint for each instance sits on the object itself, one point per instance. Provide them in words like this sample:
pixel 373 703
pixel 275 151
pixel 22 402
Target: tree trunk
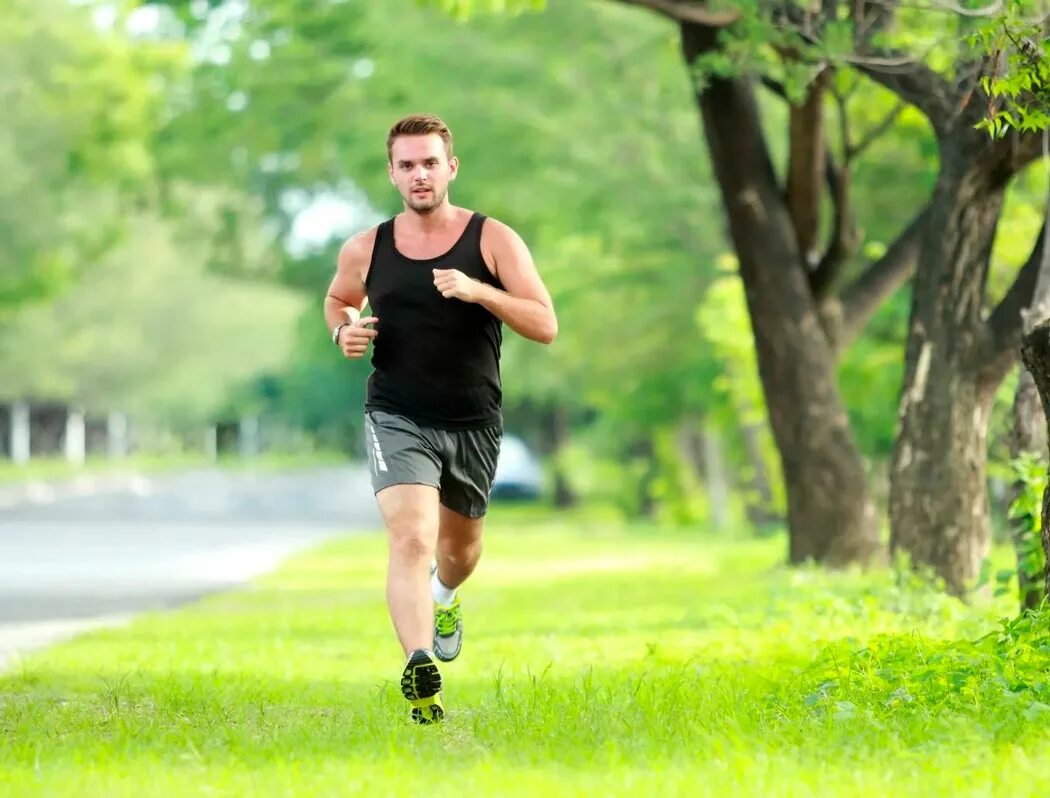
pixel 1030 429
pixel 700 445
pixel 1035 353
pixel 938 503
pixel 831 518
pixel 760 505
pixel 717 481
pixel 559 430
pixel 1029 435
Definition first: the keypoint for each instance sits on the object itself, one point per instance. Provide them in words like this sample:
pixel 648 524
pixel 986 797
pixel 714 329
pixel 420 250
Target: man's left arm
pixel 525 306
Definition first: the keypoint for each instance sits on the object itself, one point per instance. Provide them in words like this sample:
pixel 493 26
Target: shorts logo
pixel 377 452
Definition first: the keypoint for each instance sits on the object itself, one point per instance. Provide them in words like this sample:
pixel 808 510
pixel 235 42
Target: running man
pixel 439 281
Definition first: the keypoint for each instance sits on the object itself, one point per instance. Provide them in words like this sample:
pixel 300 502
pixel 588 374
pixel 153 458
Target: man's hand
pixel 354 338
pixel 453 284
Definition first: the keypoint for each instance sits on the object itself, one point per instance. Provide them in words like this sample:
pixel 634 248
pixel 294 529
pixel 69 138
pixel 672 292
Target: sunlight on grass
pixel 599 660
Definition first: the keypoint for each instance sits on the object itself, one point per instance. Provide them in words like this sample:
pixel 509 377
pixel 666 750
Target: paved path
pixel 96 552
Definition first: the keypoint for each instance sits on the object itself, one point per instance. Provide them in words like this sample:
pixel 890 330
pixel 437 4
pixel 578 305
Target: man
pixel 440 281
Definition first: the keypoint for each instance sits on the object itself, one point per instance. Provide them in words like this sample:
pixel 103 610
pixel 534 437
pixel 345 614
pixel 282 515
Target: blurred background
pixel 179 176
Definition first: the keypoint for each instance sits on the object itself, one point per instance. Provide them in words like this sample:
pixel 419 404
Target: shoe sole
pixel 421 687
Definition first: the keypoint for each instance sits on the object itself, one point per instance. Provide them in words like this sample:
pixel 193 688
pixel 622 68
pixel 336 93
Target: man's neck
pixel 433 222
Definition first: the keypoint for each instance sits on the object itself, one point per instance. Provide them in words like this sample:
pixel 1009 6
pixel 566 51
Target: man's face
pixel 421 170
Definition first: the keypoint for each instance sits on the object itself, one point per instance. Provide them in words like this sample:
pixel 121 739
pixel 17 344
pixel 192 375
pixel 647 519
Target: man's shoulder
pixel 497 232
pixel 357 249
pixel 496 226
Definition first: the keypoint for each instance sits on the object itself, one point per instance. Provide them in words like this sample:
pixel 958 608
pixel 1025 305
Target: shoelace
pixel 446 620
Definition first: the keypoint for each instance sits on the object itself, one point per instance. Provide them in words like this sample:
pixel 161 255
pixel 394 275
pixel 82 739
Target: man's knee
pixel 461 552
pixel 411 543
pixel 411 517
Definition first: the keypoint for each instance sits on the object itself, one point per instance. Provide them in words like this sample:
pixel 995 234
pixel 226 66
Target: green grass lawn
pixel 58 469
pixel 599 660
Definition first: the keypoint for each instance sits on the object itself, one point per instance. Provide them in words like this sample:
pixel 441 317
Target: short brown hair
pixel 419 125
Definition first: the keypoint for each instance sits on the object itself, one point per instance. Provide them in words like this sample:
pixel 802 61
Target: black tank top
pixel 435 360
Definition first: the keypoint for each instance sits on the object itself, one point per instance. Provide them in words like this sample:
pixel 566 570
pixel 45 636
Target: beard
pixel 425 205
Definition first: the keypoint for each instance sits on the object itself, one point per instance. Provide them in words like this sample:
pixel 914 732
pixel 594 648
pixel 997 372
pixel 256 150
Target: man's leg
pixel 465 488
pixel 410 513
pixel 458 547
pixel 411 516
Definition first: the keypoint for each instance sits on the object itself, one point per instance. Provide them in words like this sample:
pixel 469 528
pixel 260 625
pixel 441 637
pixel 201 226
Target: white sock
pixel 443 596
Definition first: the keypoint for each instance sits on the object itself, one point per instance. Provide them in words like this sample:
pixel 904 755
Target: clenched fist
pixel 453 284
pixel 354 338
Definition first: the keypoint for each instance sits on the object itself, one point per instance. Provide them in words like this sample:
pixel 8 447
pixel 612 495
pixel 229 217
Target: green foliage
pixel 676 489
pixel 75 142
pixel 1017 82
pixel 1027 513
pixel 463 9
pixel 168 341
pixel 914 678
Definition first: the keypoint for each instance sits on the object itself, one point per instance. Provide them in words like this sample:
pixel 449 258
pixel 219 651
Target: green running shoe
pixel 448 631
pixel 421 687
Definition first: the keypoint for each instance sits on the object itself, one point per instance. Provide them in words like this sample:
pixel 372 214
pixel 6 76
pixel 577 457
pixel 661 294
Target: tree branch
pixel 1005 325
pixel 843 237
pixel 1020 149
pixel 917 84
pixel 873 135
pixel 905 75
pixel 862 298
pixel 806 159
pixel 690 11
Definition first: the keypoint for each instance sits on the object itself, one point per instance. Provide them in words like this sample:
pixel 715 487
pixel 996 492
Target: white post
pixel 248 436
pixel 117 435
pixel 211 443
pixel 76 448
pixel 20 451
pixel 717 479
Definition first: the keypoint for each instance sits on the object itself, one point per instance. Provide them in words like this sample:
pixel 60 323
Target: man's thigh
pixel 458 530
pixel 410 512
pixel 400 452
pixel 471 459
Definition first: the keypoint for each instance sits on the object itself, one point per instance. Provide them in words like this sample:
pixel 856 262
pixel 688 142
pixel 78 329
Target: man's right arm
pixel 346 296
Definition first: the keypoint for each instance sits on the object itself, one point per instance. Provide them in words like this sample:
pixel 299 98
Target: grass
pixel 57 469
pixel 600 660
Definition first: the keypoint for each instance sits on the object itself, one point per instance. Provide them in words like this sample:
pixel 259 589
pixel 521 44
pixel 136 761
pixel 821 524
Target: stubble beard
pixel 425 207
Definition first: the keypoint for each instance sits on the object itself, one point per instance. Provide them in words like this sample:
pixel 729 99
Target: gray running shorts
pixel 461 464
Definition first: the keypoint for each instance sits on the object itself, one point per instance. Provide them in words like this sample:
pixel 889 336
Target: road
pixel 97 551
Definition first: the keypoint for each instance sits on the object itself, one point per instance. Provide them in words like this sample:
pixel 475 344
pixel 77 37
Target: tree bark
pixel 938 504
pixel 1035 353
pixel 830 513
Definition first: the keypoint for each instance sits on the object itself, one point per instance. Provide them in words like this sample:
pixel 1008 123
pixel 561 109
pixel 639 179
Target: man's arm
pixel 346 296
pixel 526 306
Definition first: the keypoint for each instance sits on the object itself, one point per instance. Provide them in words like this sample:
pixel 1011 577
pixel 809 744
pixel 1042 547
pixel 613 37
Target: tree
pixel 149 331
pixel 75 139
